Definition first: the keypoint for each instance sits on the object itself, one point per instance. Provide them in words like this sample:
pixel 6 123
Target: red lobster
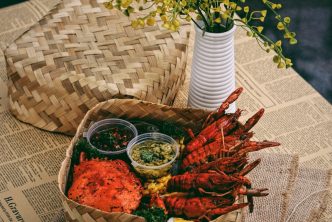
pixel 201 208
pixel 197 208
pixel 215 165
pixel 205 182
pixel 213 116
pixel 212 151
pixel 227 123
pixel 213 132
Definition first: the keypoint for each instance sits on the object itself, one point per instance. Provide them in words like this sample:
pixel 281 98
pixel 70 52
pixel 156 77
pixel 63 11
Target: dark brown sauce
pixel 112 139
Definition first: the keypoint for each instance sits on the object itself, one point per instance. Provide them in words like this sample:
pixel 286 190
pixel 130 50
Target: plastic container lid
pixel 106 124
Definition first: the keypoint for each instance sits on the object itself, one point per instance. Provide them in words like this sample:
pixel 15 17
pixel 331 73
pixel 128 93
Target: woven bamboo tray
pixel 126 109
pixel 80 54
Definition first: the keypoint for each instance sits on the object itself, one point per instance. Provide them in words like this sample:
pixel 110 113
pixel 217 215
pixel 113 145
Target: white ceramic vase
pixel 212 71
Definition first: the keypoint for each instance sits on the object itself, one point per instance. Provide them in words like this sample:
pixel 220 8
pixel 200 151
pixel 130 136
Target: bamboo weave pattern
pixel 126 109
pixel 81 54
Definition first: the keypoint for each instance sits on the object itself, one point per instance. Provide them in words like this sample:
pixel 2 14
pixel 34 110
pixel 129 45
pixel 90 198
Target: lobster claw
pixel 213 116
pixel 253 193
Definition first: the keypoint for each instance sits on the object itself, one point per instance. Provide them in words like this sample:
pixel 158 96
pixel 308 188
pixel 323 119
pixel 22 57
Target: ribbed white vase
pixel 212 71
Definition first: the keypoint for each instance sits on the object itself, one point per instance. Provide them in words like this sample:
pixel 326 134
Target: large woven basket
pixel 126 109
pixel 80 54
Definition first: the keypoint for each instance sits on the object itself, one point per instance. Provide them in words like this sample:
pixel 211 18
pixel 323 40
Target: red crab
pixel 108 185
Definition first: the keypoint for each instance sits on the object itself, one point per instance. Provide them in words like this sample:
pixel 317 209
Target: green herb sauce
pixel 153 153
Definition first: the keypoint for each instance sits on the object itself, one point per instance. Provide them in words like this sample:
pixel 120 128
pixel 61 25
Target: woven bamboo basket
pixel 81 54
pixel 126 109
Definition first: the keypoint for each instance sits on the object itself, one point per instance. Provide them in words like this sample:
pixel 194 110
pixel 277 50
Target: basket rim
pixel 64 169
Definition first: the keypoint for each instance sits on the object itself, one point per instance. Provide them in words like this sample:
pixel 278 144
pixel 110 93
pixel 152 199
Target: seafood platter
pixel 161 164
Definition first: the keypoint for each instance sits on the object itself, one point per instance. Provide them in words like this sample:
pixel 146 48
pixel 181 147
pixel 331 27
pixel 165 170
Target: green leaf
pixel 147 156
pixel 153 214
pixel 292 41
pixel 126 12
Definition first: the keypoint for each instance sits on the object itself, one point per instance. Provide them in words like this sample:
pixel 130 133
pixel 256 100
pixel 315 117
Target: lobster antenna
pixel 221 154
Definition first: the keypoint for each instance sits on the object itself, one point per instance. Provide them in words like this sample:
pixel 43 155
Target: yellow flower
pixel 134 24
pixel 217 20
pixel 173 28
pixel 287 35
pixel 224 16
pixel 281 65
pixel 232 5
pixel 188 18
pixel 260 29
pixel 288 61
pixel 150 21
pixel 176 23
pixel 164 18
pixel 125 4
pixel 287 19
pixel 278 43
pixel 280 26
pixel 108 5
pixel 141 22
pixel 276 59
pixel 264 12
pixel 246 9
pixel 159 10
pixel 167 25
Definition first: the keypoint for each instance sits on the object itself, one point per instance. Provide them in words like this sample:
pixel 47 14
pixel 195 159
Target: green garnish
pixel 153 153
pixel 153 214
pixel 147 156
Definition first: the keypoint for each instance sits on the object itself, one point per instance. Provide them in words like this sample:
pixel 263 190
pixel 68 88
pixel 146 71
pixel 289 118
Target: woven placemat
pixel 80 54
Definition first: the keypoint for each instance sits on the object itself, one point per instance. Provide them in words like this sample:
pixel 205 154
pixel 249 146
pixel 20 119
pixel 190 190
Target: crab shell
pixel 108 185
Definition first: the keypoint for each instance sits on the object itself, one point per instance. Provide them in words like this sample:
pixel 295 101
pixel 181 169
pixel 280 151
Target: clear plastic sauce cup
pixel 153 171
pixel 107 124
